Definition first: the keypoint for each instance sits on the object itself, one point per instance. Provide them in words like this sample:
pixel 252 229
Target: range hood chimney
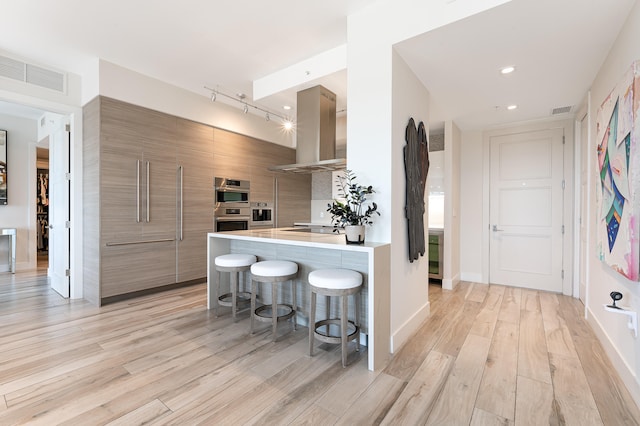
pixel 315 133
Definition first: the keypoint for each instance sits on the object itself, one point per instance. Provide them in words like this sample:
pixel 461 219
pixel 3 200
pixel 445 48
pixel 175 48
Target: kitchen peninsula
pixel 312 251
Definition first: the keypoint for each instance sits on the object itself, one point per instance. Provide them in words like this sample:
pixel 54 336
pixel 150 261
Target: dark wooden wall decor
pixel 416 164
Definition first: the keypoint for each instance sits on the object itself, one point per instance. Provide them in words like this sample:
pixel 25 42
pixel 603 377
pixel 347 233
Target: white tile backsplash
pixel 319 213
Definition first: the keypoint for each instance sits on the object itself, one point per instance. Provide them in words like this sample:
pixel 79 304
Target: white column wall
pixel 472 201
pixel 409 295
pixel 374 135
pixel 451 261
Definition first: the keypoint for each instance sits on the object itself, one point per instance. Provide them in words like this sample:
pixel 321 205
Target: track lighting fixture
pixel 240 97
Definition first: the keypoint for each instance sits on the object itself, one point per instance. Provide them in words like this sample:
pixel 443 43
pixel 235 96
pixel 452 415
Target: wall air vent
pixel 32 74
pixel 45 78
pixel 11 68
pixel 561 110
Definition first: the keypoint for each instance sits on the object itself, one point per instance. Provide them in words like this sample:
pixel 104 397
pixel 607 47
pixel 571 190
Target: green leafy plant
pixel 353 210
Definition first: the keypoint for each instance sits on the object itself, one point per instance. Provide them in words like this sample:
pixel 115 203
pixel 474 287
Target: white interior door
pixel 526 195
pixel 59 208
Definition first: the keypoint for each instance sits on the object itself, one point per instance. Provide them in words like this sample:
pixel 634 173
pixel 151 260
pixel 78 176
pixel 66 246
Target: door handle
pixel 181 201
pixel 495 229
pixel 148 185
pixel 137 191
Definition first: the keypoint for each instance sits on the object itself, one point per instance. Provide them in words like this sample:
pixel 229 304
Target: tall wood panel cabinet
pixel 195 198
pixel 150 196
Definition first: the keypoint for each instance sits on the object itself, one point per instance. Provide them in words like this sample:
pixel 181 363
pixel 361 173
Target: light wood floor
pixel 486 355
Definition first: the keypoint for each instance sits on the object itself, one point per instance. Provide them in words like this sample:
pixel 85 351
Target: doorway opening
pixel 42 207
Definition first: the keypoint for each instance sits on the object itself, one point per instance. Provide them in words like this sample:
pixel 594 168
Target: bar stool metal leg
pixel 312 322
pixel 344 318
pixel 234 293
pixel 274 310
pixel 216 304
pixel 253 301
pixel 356 320
pixel 294 304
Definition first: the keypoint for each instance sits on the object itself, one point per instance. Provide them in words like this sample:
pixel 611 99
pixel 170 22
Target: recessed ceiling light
pixel 507 70
pixel 287 107
pixel 512 107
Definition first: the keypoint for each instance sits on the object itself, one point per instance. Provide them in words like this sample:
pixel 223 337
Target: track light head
pixel 245 109
pixel 214 96
pixel 267 117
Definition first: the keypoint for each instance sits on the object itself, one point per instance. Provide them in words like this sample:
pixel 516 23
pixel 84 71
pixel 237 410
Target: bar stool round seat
pixel 274 272
pixel 341 283
pixel 234 264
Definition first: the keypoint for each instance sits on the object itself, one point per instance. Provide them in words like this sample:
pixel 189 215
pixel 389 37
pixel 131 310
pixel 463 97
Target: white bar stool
pixel 335 282
pixel 234 264
pixel 274 272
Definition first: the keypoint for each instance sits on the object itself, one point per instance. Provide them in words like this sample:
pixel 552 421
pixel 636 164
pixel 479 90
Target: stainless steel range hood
pixel 315 133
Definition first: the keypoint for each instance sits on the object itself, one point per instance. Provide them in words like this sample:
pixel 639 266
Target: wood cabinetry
pixel 195 198
pixel 242 157
pixel 137 193
pixel 149 194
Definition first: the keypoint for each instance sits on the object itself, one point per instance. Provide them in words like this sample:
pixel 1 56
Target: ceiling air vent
pixel 561 110
pixel 32 74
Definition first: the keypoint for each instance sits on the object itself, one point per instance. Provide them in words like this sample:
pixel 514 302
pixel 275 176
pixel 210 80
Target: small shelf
pixel 633 316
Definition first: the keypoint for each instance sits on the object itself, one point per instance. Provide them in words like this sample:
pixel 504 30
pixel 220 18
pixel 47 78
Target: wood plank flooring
pixel 486 355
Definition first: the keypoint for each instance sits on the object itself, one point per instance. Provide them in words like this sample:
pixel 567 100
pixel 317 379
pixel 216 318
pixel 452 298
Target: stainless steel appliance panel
pixel 262 214
pixel 232 212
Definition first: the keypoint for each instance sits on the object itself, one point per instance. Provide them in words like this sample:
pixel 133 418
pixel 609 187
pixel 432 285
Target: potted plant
pixel 351 212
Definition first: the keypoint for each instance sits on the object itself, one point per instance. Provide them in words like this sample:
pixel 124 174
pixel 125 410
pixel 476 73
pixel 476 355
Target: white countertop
pixel 286 236
pixel 313 224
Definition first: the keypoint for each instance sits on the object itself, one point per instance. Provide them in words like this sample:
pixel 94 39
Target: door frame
pixel 74 114
pixel 568 206
pixel 583 157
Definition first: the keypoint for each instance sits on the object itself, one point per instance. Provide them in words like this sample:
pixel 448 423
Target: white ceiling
pixel 556 45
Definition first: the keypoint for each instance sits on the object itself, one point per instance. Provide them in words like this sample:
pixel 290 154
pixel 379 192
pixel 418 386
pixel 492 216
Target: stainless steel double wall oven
pixel 232 211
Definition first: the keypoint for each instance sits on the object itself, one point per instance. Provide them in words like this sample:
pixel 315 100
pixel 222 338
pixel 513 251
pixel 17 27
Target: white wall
pixel 471 206
pixel 435 185
pixel 451 266
pixel 20 212
pixel 409 294
pixel 623 348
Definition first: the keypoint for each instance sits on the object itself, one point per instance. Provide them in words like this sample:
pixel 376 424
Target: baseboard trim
pixel 450 284
pixel 626 373
pixel 146 292
pixel 471 277
pixel 410 326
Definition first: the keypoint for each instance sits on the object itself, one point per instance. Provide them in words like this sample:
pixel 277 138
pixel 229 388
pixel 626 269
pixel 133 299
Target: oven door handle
pixel 232 219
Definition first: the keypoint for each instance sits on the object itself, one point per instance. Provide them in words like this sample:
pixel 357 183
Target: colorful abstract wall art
pixel 617 130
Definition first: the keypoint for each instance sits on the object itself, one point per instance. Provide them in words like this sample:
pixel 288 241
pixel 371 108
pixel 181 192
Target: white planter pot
pixel 354 234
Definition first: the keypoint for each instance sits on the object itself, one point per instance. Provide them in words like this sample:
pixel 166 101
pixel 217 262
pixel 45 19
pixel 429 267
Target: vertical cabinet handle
pixel 148 185
pixel 181 200
pixel 275 204
pixel 137 191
